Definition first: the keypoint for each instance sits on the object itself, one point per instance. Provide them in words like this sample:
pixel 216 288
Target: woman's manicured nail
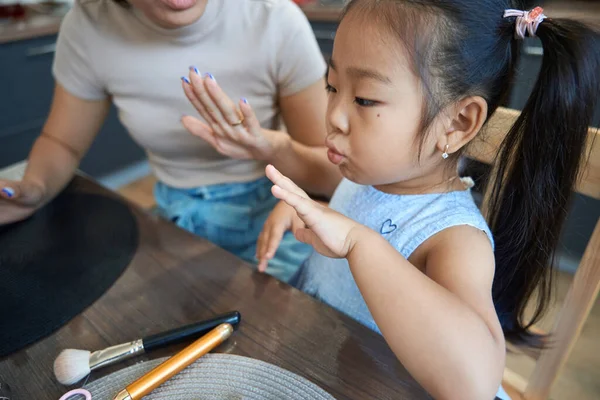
pixel 192 68
pixel 244 100
pixel 211 76
pixel 9 192
pixel 185 79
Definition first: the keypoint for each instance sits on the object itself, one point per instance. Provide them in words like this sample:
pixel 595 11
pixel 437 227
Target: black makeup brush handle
pixel 192 331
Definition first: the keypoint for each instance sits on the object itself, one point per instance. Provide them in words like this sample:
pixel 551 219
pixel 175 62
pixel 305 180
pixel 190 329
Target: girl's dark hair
pixel 464 48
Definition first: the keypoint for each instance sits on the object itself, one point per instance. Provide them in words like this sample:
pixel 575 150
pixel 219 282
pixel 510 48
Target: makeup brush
pixel 73 365
pixel 175 364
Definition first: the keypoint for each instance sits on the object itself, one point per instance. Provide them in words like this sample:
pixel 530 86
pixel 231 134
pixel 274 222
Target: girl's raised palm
pixel 327 231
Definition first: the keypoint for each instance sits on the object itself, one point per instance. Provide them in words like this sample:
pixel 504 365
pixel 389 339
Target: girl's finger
pixel 305 235
pixel 305 208
pixel 261 246
pixel 277 232
pixel 262 265
pixel 297 223
pixel 283 182
pixel 262 240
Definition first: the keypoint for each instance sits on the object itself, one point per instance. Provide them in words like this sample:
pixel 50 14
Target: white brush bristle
pixel 71 366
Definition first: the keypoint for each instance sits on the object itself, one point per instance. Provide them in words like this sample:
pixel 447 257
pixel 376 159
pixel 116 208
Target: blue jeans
pixel 232 216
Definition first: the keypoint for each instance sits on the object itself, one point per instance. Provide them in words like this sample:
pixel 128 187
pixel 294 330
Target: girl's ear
pixel 465 120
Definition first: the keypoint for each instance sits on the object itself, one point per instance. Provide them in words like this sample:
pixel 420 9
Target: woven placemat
pixel 215 377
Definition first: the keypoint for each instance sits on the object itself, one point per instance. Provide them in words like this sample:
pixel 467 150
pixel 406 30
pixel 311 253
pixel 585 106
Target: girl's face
pixel 171 13
pixel 374 111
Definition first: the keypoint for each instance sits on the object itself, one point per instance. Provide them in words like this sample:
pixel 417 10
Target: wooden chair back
pixel 586 282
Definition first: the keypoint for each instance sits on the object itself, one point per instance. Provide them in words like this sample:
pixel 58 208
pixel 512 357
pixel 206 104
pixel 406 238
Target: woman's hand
pixel 233 131
pixel 328 232
pixel 18 200
pixel 283 218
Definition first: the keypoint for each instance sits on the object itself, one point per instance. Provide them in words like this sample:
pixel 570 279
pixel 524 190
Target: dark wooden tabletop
pixel 176 278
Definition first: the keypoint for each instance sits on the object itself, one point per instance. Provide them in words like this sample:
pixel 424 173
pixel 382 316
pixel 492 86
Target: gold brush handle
pixel 178 362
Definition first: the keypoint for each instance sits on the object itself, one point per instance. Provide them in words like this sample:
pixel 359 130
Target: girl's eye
pixel 330 88
pixel 364 102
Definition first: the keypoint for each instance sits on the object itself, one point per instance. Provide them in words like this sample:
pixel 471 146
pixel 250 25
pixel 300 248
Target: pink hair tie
pixel 83 392
pixel 527 21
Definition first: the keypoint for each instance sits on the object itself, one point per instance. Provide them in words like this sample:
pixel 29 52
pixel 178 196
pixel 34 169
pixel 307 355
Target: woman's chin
pixel 176 13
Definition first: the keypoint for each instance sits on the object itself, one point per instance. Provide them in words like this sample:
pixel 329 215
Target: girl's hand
pixel 245 140
pixel 328 232
pixel 283 218
pixel 18 200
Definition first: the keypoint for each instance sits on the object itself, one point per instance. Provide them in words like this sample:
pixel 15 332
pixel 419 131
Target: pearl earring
pixel 445 154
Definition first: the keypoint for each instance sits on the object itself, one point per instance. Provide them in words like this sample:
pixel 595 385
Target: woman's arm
pixel 66 136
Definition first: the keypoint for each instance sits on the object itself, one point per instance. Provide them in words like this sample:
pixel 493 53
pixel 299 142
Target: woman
pixel 132 53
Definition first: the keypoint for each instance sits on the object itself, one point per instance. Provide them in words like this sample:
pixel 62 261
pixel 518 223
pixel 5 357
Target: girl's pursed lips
pixel 329 144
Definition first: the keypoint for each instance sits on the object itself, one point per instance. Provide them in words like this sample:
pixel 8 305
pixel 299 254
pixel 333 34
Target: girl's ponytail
pixel 537 166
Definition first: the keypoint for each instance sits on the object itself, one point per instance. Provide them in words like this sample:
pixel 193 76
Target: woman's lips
pixel 179 4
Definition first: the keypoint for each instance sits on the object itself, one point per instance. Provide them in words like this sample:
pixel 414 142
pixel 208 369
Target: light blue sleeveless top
pixel 405 221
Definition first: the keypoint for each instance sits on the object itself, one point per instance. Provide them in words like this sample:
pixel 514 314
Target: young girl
pixel 403 248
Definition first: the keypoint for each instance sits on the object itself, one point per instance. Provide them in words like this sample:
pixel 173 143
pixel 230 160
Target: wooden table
pixel 176 278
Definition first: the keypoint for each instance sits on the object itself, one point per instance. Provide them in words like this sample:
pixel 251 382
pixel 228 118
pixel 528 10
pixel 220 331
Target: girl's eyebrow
pixel 363 73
